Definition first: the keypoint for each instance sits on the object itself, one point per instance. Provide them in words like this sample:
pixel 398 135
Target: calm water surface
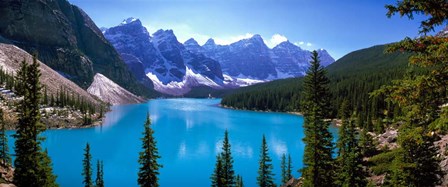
pixel 189 134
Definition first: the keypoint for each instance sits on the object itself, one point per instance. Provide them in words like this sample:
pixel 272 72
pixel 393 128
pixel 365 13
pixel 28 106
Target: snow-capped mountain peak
pixel 130 20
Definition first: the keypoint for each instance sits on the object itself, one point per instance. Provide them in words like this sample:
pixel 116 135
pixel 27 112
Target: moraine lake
pixel 189 134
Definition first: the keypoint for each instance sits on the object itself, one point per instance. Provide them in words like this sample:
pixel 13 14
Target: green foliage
pixel 416 163
pixel 224 175
pixel 317 160
pixel 437 9
pixel 420 96
pixel 367 144
pixel 32 166
pixel 5 157
pixel 149 168
pixel 265 176
pixel 227 165
pixel 239 181
pixel 283 166
pixel 381 163
pixel 87 167
pixel 286 169
pixel 99 181
pixel 46 176
pixel 350 171
pixel 218 174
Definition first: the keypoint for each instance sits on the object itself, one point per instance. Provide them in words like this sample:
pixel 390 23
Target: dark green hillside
pixel 353 77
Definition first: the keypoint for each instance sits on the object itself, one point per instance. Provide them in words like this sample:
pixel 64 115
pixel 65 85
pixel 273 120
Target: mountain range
pixel 175 68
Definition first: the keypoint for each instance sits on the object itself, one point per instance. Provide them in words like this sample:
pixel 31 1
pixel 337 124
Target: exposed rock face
pixel 10 58
pixel 246 58
pixel 65 38
pixel 173 69
pixel 110 92
pixel 251 58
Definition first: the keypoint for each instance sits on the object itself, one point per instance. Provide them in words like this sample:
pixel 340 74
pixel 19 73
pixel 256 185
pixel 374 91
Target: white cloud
pixel 309 44
pixel 232 39
pixel 275 40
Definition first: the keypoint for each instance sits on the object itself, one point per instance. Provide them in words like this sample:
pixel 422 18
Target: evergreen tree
pixel 46 176
pixel 367 144
pixel 5 157
pixel 289 168
pixel 265 176
pixel 31 168
pixel 239 181
pixel 99 182
pixel 318 161
pixel 87 167
pixel 227 164
pixel 284 168
pixel 419 96
pixel 21 79
pixel 218 174
pixel 149 168
pixel 350 172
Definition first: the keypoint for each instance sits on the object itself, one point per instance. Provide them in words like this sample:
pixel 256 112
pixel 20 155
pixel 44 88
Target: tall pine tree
pixel 227 165
pixel 239 181
pixel 149 168
pixel 318 161
pixel 284 168
pixel 87 167
pixel 350 172
pixel 218 174
pixel 5 157
pixel 99 182
pixel 31 168
pixel 265 176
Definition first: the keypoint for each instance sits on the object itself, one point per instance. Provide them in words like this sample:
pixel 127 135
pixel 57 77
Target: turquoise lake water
pixel 189 134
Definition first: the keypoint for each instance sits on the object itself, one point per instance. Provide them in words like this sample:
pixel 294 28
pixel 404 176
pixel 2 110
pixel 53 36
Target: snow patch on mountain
pixel 191 79
pixel 110 92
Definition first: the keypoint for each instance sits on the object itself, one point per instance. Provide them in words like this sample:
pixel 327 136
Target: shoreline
pixel 335 122
pixel 285 112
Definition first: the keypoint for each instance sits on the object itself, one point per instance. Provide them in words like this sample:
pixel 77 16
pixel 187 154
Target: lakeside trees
pixel 5 157
pixel 224 174
pixel 421 97
pixel 265 176
pixel 87 167
pixel 317 160
pixel 149 167
pixel 32 164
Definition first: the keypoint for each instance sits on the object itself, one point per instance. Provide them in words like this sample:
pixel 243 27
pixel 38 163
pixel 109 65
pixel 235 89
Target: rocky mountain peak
pixel 131 20
pixel 191 42
pixel 210 42
pixel 287 45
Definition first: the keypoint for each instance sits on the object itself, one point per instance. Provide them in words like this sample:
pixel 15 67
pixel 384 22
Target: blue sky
pixel 339 26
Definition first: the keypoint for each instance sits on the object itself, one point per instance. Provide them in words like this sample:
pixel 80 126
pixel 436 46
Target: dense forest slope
pixel 352 77
pixel 53 82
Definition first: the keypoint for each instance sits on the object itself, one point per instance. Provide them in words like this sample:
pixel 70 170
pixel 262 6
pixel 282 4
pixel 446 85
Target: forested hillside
pixel 352 77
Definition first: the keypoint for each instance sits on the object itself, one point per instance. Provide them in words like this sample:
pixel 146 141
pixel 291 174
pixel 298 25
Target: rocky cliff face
pixel 112 93
pixel 251 58
pixel 172 68
pixel 66 39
